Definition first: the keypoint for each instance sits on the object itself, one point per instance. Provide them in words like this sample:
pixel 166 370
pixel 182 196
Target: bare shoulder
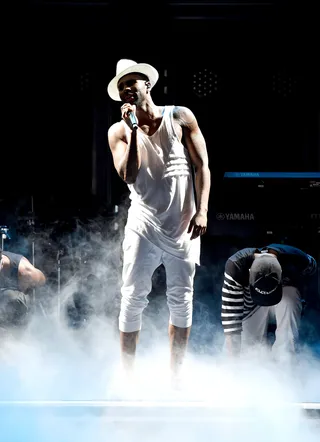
pixel 116 130
pixel 25 265
pixel 27 268
pixel 116 133
pixel 184 116
pixel 29 275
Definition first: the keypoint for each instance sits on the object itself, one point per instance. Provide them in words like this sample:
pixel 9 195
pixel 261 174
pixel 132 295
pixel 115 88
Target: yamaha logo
pixel 235 216
pixel 220 216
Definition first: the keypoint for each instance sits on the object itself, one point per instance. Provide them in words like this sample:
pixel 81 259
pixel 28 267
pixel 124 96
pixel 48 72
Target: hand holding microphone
pixel 129 116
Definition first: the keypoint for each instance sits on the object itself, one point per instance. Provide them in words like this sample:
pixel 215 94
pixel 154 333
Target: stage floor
pixel 131 421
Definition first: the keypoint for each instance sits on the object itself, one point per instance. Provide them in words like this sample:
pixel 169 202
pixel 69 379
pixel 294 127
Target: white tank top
pixel 162 197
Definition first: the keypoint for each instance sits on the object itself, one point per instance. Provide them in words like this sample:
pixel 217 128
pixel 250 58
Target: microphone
pixel 133 120
pixel 4 230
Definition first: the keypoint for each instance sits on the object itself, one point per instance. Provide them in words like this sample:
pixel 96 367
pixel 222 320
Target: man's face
pixel 132 88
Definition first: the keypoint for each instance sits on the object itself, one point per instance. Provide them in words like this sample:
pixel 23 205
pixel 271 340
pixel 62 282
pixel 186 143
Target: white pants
pixel 286 314
pixel 140 259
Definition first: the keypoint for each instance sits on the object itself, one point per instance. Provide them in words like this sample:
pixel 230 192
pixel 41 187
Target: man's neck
pixel 148 111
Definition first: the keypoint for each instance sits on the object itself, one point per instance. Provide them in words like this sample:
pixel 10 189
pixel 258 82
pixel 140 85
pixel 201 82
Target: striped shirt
pixel 237 303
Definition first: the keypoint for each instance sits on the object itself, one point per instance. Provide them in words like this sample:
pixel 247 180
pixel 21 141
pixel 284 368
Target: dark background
pixel 262 114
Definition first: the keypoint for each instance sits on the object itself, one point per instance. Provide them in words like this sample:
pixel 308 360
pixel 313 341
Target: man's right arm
pixel 125 153
pixel 232 308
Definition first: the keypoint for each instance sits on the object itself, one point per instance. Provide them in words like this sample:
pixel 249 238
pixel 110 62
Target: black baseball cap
pixel 265 280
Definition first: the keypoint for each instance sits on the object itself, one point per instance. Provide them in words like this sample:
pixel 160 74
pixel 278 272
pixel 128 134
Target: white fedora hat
pixel 125 67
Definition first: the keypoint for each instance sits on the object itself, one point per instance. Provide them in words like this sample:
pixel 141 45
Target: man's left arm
pixel 298 262
pixel 311 267
pixel 196 145
pixel 29 276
